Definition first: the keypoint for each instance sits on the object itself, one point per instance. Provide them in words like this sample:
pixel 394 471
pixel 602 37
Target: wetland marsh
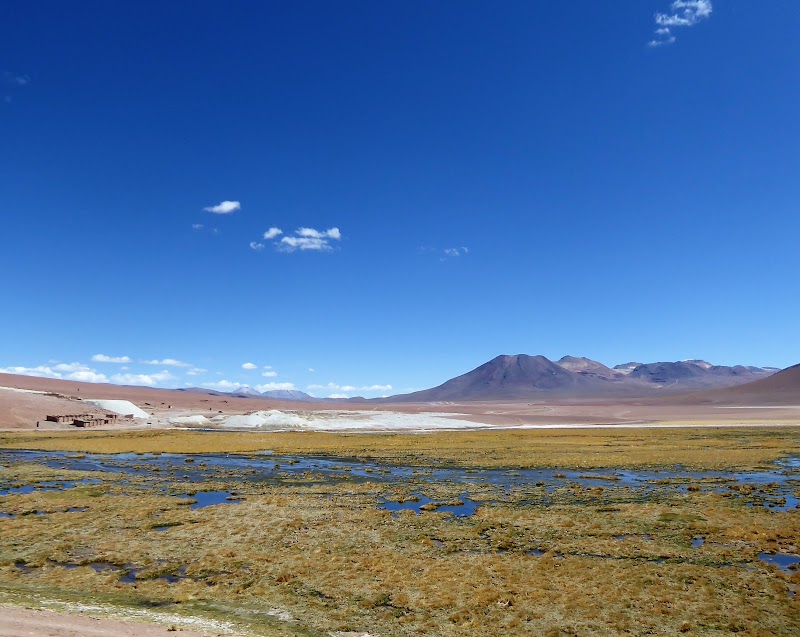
pixel 414 535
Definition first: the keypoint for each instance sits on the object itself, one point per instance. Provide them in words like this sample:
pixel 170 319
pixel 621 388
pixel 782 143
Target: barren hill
pixel 511 377
pixel 780 389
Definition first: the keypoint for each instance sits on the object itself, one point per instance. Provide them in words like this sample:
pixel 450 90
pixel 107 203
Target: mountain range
pixel 521 376
pixel 524 377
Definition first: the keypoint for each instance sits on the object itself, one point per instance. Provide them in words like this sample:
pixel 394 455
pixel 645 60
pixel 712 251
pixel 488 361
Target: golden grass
pixel 702 447
pixel 337 563
pixel 324 553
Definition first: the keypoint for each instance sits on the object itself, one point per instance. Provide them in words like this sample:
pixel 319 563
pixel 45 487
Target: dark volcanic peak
pixel 510 377
pixel 700 363
pixel 246 391
pixel 626 368
pixel 289 394
pixel 587 367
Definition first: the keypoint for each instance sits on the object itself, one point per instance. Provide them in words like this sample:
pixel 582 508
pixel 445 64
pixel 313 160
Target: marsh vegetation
pixel 554 533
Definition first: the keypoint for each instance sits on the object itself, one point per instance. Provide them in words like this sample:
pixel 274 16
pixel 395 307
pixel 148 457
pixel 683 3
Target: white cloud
pixel 256 246
pixel 249 366
pixel 456 252
pixel 684 13
pixel 88 376
pixel 269 374
pixel 196 371
pixel 311 369
pixel 169 362
pixel 197 226
pixel 310 233
pixel 43 371
pixel 303 239
pixel 224 208
pixel 148 380
pixel 71 367
pixel 102 358
pixel 344 391
pixel 223 385
pixel 274 387
pixel 74 371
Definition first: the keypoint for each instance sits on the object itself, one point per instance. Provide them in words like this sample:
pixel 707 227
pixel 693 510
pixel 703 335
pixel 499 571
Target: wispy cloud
pixel 335 390
pixel 146 380
pixel 223 385
pixel 102 358
pixel 64 371
pixel 42 371
pixel 684 13
pixel 269 374
pixel 169 362
pixel 16 79
pixel 224 208
pixel 302 239
pixel 456 252
pixel 88 376
pixel 274 387
pixel 196 371
pixel 197 226
pixel 310 239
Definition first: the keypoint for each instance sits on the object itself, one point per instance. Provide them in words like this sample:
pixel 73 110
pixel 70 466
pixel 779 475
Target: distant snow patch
pixel 123 407
pixel 24 391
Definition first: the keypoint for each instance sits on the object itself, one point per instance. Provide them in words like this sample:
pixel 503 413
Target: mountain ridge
pixel 521 376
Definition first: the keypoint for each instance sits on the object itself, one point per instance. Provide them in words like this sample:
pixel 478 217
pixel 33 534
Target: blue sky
pixel 452 181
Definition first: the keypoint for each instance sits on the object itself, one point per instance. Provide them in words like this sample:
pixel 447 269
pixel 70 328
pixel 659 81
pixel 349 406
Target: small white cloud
pixel 311 233
pixel 273 387
pixel 685 13
pixel 197 226
pixel 269 374
pixel 311 369
pixel 254 245
pixel 195 371
pixel 309 239
pixel 169 362
pixel 456 252
pixel 224 208
pixel 102 358
pixel 249 366
pixel 147 380
pixel 304 239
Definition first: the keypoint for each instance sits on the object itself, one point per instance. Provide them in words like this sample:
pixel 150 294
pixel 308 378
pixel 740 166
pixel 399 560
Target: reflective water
pixel 772 489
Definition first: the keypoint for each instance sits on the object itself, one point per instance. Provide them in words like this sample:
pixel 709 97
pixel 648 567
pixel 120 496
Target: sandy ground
pixel 24 622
